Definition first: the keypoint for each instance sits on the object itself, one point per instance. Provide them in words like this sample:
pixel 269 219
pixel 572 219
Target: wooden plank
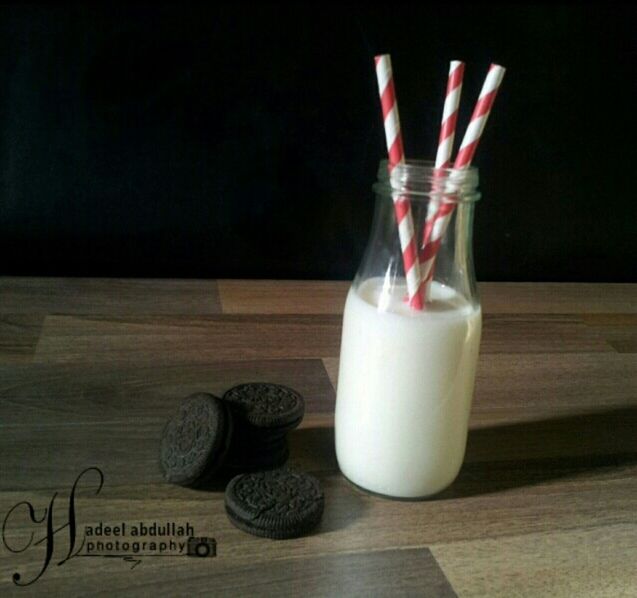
pixel 124 450
pixel 599 432
pixel 557 298
pixel 174 339
pixel 68 395
pixel 331 367
pixel 381 573
pixel 113 417
pixel 496 455
pixel 40 456
pixel 593 561
pixel 539 333
pixel 186 339
pixel 282 296
pixel 618 330
pixel 170 296
pixel 122 296
pixel 515 388
pixel 354 521
pixel 128 451
pixel 278 296
pixel 19 334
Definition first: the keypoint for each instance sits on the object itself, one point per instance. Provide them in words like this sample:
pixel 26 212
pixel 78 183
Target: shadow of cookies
pixel 218 483
pixel 312 450
pixel 343 505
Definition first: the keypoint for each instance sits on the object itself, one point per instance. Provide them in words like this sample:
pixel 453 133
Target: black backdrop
pixel 242 141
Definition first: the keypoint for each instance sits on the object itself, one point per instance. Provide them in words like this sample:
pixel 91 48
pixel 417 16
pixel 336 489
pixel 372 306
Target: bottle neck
pixel 421 180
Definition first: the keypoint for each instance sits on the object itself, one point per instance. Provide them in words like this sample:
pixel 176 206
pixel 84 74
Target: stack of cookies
pixel 244 433
pixel 263 415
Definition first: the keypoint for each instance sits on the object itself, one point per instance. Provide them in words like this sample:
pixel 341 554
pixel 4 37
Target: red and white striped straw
pixel 463 160
pixel 395 151
pixel 445 143
pixel 450 114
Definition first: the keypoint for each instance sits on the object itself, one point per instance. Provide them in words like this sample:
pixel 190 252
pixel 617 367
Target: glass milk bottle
pixel 406 376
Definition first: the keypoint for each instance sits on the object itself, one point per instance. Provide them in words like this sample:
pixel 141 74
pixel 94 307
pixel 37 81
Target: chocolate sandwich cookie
pixel 274 504
pixel 196 440
pixel 270 409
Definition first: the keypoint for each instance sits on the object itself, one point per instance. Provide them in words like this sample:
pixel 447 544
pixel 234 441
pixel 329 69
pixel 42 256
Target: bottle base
pixel 431 496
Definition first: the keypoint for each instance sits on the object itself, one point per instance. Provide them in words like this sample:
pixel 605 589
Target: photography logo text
pixel 129 541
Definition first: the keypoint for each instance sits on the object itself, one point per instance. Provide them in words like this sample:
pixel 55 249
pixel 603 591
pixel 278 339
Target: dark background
pixel 242 141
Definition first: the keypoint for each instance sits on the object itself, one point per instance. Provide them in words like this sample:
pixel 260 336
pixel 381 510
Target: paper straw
pixel 395 151
pixel 450 114
pixel 445 143
pixel 463 160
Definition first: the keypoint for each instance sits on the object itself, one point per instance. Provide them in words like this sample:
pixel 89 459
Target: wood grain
pixel 619 330
pixel 67 394
pixel 19 334
pixel 406 572
pixel 186 339
pixel 557 298
pixel 353 521
pixel 112 418
pixel 331 367
pixel 585 562
pixel 278 296
pixel 282 296
pixel 107 296
pixel 392 572
pixel 165 339
pixel 539 333
pixel 545 504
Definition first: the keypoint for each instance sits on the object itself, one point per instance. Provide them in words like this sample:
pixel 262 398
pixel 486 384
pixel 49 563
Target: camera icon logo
pixel 202 547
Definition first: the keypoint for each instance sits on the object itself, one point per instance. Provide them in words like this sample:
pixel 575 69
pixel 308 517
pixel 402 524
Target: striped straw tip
pixel 499 70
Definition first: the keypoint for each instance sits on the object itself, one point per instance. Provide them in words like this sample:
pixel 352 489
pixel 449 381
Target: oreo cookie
pixel 268 409
pixel 195 442
pixel 274 504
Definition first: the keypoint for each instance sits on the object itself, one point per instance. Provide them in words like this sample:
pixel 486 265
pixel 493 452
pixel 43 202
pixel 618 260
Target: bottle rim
pixel 421 179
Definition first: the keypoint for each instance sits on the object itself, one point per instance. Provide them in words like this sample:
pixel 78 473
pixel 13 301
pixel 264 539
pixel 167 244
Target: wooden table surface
pixel 545 505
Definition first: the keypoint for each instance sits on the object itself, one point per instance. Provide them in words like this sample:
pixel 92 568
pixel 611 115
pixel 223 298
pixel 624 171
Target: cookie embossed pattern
pixel 196 440
pixel 267 405
pixel 275 504
pixel 245 433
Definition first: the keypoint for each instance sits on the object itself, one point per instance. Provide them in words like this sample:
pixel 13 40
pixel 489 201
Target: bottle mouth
pixel 421 178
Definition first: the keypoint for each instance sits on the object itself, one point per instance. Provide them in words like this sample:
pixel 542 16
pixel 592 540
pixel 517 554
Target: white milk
pixel 404 389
